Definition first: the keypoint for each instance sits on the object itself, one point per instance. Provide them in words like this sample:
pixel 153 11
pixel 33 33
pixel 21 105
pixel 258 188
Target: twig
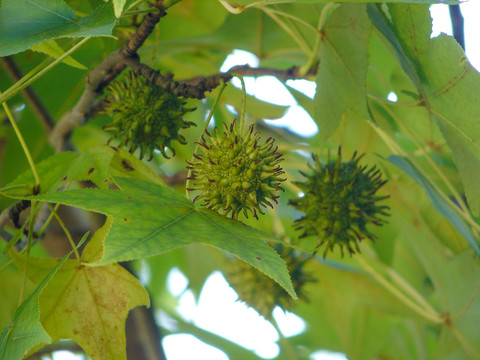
pixel 30 95
pixel 100 76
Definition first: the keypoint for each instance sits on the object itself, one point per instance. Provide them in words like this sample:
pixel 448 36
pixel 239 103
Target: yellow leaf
pixel 51 48
pixel 94 249
pixel 90 305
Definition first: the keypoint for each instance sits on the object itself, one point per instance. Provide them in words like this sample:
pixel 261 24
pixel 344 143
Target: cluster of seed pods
pixel 236 174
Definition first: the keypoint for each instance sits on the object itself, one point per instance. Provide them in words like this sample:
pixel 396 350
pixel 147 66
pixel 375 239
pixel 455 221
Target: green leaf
pixel 24 23
pixel 150 219
pixel 437 201
pixel 412 26
pixel 241 4
pixel 380 21
pixel 51 171
pixel 341 79
pixel 51 48
pixel 118 7
pixel 450 81
pixel 98 163
pixel 25 331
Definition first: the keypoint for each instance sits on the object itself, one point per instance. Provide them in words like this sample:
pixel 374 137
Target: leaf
pixel 98 163
pixel 24 23
pixel 341 79
pixel 51 171
pixel 450 81
pixel 150 219
pixel 118 7
pixel 51 48
pixel 303 100
pixel 242 4
pixel 412 26
pixel 26 331
pixel 88 304
pixel 462 289
pixel 437 201
pixel 379 20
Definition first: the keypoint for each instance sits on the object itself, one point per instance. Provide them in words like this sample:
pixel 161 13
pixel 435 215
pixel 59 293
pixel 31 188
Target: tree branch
pixel 30 95
pixel 100 76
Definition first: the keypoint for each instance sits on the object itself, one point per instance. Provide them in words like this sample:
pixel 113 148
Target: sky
pixel 217 310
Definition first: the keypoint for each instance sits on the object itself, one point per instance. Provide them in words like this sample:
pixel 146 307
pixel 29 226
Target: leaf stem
pixel 47 222
pixel 4 97
pixel 23 143
pixel 65 230
pixel 284 342
pixel 210 115
pixel 244 102
pixel 399 151
pixel 321 22
pixel 427 313
pixel 27 255
pixel 469 349
pixel 429 159
pixel 14 87
pixel 300 42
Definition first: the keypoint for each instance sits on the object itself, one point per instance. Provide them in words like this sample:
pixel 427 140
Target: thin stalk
pixel 210 115
pixel 287 15
pixel 425 313
pixel 65 230
pixel 6 93
pixel 469 349
pixel 244 102
pixel 49 220
pixel 399 151
pixel 404 285
pixel 284 342
pixel 301 43
pixel 38 75
pixel 294 27
pixel 432 163
pixel 321 22
pixel 27 255
pixel 23 143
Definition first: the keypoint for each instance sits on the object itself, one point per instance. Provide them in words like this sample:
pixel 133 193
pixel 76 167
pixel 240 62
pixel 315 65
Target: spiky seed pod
pixel 262 293
pixel 340 202
pixel 236 173
pixel 145 116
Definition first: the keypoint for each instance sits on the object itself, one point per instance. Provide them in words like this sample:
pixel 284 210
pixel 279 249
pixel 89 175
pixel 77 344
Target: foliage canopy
pixel 412 293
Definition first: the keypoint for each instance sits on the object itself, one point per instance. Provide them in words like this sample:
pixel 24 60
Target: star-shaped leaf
pixel 150 219
pixel 88 304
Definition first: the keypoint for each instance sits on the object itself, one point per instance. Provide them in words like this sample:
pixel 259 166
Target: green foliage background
pixel 412 294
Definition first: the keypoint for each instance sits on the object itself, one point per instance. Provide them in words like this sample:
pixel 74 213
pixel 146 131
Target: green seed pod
pixel 235 173
pixel 340 202
pixel 257 290
pixel 145 116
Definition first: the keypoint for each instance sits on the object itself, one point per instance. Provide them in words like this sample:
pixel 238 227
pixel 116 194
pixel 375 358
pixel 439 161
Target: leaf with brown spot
pixel 89 305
